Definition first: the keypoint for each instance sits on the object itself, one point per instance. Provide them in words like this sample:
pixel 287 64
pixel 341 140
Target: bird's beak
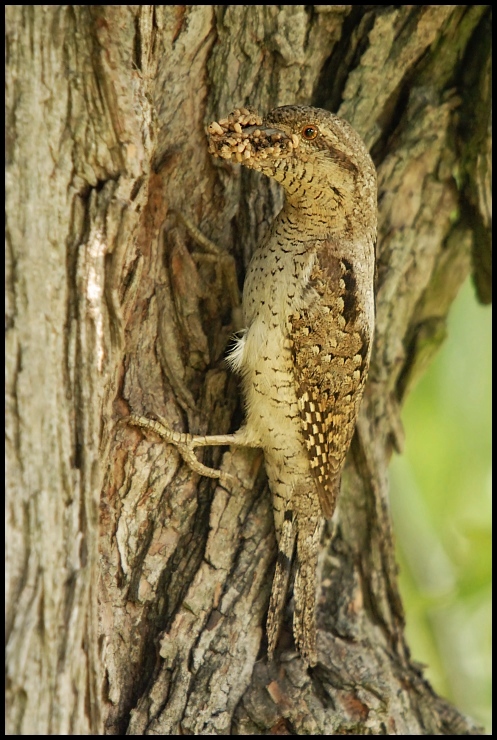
pixel 246 140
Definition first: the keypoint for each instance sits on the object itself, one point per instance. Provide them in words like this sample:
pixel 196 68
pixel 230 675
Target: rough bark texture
pixel 137 592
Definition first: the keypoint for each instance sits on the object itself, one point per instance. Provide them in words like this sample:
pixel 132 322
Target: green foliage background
pixel 441 506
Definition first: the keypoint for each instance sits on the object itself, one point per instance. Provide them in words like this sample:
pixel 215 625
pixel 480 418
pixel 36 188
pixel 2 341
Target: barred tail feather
pixel 281 578
pixel 304 619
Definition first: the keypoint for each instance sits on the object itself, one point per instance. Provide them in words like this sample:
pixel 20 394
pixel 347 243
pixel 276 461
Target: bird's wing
pixel 331 350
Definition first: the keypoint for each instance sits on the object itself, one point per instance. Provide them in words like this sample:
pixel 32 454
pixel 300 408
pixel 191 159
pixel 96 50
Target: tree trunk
pixel 137 591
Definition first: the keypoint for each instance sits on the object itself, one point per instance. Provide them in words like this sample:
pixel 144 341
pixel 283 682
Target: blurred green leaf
pixel 440 493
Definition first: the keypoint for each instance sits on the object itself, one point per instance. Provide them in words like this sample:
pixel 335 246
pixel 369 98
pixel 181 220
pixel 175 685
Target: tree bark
pixel 137 591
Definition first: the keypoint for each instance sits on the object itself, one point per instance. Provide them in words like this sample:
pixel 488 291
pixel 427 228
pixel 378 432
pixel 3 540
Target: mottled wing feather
pixel 331 349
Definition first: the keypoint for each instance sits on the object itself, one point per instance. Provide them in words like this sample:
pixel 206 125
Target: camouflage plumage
pixel 308 312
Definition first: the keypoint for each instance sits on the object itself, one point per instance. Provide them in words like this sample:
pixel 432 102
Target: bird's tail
pixel 304 618
pixel 279 590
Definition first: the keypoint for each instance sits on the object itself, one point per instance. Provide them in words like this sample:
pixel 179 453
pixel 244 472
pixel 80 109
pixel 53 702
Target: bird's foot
pixel 185 444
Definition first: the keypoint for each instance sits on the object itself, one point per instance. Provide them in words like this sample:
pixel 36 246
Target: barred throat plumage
pixel 308 310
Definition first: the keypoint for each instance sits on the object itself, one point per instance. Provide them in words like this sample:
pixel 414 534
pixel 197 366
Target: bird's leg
pixel 186 443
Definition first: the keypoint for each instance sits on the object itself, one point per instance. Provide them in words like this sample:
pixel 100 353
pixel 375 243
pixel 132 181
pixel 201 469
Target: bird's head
pixel 319 159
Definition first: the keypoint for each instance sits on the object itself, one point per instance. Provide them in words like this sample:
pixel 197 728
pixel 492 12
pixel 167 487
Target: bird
pixel 308 315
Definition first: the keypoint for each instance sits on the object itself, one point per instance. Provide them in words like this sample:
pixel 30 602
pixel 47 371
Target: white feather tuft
pixel 235 357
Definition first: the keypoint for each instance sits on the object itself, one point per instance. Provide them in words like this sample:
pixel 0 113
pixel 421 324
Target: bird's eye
pixel 310 132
